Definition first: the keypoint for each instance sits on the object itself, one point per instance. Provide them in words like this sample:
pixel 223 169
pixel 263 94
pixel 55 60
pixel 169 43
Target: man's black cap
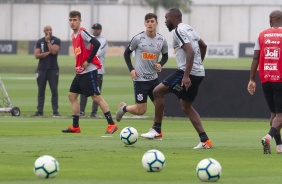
pixel 97 26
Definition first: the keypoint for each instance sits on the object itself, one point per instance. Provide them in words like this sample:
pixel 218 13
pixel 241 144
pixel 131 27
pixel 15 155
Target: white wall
pixel 214 22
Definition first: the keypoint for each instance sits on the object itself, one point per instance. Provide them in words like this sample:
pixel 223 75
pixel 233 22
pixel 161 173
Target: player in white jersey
pixel 190 52
pixel 148 45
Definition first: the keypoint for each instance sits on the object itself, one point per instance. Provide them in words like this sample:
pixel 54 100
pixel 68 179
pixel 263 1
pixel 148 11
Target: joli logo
pixel 272 53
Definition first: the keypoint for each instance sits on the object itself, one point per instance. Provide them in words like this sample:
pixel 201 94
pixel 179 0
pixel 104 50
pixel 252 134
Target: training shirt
pixel 269 43
pixel 50 62
pixel 182 34
pixel 101 52
pixel 82 49
pixel 147 52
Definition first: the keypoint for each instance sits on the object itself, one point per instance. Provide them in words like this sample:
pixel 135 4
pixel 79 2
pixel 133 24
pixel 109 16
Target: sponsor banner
pixel 246 49
pixel 222 50
pixel 8 47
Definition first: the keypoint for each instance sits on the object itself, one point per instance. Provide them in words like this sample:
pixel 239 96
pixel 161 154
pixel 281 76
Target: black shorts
pixel 143 89
pixel 174 80
pixel 273 95
pixel 85 84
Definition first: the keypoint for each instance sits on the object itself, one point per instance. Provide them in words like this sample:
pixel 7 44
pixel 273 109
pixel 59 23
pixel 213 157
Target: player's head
pixel 275 18
pixel 74 20
pixel 151 22
pixel 172 18
pixel 47 30
pixel 97 29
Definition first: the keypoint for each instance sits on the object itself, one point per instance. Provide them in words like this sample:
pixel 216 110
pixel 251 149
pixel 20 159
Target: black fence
pixel 223 93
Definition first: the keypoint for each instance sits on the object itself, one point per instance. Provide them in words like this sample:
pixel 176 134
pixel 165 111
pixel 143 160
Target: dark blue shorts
pixel 143 89
pixel 174 80
pixel 85 84
pixel 273 95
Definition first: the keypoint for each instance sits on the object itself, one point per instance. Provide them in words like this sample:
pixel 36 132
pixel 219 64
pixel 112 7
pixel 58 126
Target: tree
pixel 184 5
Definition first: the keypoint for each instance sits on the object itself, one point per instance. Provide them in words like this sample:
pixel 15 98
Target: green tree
pixel 184 5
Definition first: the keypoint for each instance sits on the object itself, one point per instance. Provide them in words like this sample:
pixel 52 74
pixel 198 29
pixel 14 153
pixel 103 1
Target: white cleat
pixel 120 111
pixel 152 134
pixel 279 149
pixel 204 145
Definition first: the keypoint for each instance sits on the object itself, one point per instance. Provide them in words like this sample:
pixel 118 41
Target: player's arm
pixel 203 48
pixel 164 59
pixel 103 48
pixel 252 84
pixel 39 55
pixel 187 47
pixel 96 44
pixel 127 59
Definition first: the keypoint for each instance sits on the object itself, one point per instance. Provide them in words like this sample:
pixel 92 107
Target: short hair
pixel 75 14
pixel 175 12
pixel 151 15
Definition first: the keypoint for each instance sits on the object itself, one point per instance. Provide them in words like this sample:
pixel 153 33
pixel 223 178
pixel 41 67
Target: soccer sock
pixel 124 109
pixel 203 136
pixel 272 132
pixel 158 127
pixel 109 118
pixel 277 138
pixel 75 121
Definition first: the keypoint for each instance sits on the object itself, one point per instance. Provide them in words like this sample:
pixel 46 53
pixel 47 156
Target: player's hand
pixel 47 37
pixel 186 82
pixel 158 67
pixel 252 87
pixel 85 65
pixel 133 75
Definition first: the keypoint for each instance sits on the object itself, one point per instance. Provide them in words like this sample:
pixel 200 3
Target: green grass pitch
pixel 90 158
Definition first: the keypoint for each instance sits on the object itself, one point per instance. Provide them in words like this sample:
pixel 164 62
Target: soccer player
pixel 267 52
pixel 97 29
pixel 46 50
pixel 148 45
pixel 190 52
pixel 85 48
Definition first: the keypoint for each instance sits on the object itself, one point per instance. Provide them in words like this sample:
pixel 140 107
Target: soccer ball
pixel 46 167
pixel 208 169
pixel 153 161
pixel 129 135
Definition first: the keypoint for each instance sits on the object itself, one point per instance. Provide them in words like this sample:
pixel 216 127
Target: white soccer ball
pixel 153 161
pixel 209 169
pixel 129 135
pixel 46 167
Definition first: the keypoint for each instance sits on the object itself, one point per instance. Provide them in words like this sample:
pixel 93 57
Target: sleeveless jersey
pixel 182 34
pixel 270 63
pixel 82 49
pixel 147 52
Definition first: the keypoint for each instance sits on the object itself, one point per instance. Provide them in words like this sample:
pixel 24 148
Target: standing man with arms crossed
pixel 85 82
pixel 46 50
pixel 148 45
pixel 97 29
pixel 184 83
pixel 267 55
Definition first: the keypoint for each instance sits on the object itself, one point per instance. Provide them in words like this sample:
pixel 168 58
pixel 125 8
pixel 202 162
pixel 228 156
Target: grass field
pixel 89 158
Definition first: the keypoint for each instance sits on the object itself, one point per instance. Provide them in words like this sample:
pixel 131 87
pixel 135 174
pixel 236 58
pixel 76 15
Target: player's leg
pixel 41 83
pixel 83 103
pixel 142 89
pixel 53 80
pixel 94 104
pixel 73 94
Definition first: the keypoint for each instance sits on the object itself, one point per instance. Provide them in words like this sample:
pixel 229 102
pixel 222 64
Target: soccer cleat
pixel 120 111
pixel 111 129
pixel 204 145
pixel 265 141
pixel 152 134
pixel 93 115
pixel 56 115
pixel 38 114
pixel 71 129
pixel 82 113
pixel 279 149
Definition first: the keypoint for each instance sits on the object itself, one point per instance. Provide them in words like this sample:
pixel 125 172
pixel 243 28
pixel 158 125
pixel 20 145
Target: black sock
pixel 272 132
pixel 75 121
pixel 109 118
pixel 158 127
pixel 124 109
pixel 277 138
pixel 203 136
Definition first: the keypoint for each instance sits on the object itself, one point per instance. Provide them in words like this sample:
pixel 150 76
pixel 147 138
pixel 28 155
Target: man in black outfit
pixel 46 50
